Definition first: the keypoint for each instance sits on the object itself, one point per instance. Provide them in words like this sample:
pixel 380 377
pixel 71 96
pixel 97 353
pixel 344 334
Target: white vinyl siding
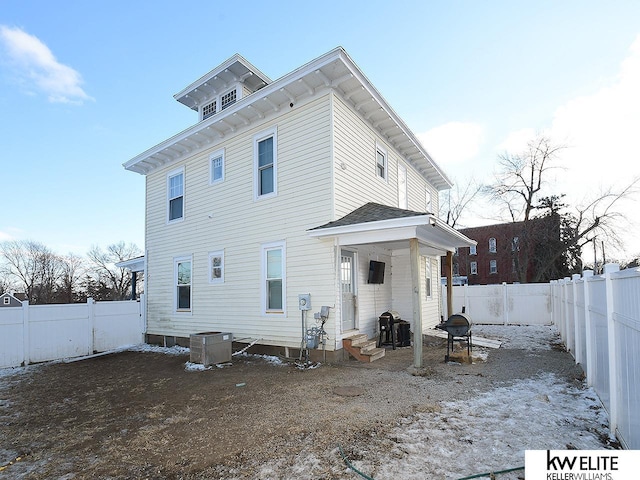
pixel 227 216
pixel 355 144
pixel 403 201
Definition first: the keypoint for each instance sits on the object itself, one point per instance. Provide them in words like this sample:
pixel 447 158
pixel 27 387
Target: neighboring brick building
pixel 507 252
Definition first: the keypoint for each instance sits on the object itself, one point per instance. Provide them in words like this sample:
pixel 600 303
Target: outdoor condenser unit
pixel 209 348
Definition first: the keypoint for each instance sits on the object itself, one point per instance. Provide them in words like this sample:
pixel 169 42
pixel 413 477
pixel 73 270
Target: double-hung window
pixel 473 250
pixel 474 268
pixel 182 278
pixel 175 195
pixel 427 277
pixel 273 275
pixel 381 162
pixel 216 167
pixel 266 163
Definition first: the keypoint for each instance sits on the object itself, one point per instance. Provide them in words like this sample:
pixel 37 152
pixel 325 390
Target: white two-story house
pixel 287 187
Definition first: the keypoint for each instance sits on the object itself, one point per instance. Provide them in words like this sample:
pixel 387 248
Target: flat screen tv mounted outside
pixel 376 272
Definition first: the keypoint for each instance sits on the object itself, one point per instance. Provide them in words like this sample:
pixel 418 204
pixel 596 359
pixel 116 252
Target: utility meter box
pixel 209 348
pixel 304 301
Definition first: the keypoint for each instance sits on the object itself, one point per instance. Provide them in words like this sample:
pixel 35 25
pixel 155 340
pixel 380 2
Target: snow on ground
pixel 492 431
pixel 530 337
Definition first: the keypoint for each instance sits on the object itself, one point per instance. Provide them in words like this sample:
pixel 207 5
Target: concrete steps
pixel 361 348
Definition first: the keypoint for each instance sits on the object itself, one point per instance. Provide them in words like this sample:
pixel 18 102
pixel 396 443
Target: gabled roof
pixel 334 70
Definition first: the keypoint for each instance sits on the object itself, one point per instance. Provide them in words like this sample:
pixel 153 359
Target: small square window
pixel 6 300
pixel 228 99
pixel 216 267
pixel 208 110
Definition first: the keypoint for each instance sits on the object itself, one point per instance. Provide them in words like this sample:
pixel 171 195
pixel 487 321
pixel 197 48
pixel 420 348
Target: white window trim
pixel 384 152
pixel 6 300
pixel 170 175
pixel 215 155
pixel 217 253
pixel 263 279
pixel 428 278
pixel 473 267
pixel 272 132
pixel 174 288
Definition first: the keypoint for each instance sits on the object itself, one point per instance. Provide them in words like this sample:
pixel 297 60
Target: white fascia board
pixel 369 227
pixel 379 236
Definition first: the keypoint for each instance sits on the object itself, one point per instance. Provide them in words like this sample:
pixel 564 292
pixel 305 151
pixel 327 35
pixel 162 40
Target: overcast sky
pixel 86 86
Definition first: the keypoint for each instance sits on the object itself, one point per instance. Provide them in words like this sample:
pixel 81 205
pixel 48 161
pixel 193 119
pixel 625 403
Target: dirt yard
pixel 136 415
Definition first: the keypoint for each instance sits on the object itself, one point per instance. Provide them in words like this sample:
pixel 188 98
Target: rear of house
pixel 239 208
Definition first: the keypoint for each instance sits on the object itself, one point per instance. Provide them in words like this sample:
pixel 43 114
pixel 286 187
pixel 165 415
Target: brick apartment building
pixel 507 252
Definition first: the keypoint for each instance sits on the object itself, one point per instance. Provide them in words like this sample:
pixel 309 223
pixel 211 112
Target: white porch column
pixel 417 302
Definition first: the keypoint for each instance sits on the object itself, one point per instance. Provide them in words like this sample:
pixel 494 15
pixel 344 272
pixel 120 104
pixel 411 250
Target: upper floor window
pixel 220 102
pixel 175 195
pixel 216 167
pixel 473 250
pixel 182 272
pixel 493 266
pixel 474 268
pixel 381 162
pixel 266 163
pixel 515 244
pixel 6 300
pixel 492 245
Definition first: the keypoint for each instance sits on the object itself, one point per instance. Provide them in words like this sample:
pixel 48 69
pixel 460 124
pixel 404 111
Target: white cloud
pixel 453 142
pixel 516 141
pixel 602 128
pixel 36 66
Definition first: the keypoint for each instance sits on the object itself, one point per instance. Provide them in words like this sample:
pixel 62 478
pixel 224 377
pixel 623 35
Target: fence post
pixel 565 314
pixel 505 304
pixel 610 268
pixel 576 327
pixel 26 337
pixel 590 362
pixel 90 325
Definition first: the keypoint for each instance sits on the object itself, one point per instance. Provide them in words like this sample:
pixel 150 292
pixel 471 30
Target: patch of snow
pixel 146 348
pixel 271 359
pixel 523 337
pixel 491 432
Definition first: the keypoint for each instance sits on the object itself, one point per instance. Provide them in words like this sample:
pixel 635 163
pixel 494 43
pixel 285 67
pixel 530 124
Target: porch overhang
pixel 434 236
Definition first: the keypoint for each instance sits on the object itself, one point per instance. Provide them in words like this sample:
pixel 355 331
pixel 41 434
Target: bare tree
pixel 116 279
pixel 33 266
pixel 520 188
pixel 457 201
pixel 72 270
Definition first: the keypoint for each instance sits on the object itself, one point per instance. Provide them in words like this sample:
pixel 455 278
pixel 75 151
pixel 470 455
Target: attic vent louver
pixel 208 110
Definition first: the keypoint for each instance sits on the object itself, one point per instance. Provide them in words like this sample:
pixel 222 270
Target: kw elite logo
pixel 581 464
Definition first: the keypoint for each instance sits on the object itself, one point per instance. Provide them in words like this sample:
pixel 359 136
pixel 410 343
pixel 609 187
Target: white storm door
pixel 348 289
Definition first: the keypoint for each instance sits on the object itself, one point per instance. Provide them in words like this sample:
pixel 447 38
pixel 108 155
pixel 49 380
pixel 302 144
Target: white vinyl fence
pixel 517 304
pixel 39 333
pixel 599 321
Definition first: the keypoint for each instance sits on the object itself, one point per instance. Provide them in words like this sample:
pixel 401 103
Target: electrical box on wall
pixel 304 301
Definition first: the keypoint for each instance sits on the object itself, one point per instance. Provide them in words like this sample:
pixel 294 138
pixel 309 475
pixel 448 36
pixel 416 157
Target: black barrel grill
pixel 458 327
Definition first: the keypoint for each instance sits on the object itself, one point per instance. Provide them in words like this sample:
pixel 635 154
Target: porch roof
pixel 391 228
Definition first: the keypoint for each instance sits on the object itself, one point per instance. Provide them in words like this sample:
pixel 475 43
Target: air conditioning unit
pixel 209 348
